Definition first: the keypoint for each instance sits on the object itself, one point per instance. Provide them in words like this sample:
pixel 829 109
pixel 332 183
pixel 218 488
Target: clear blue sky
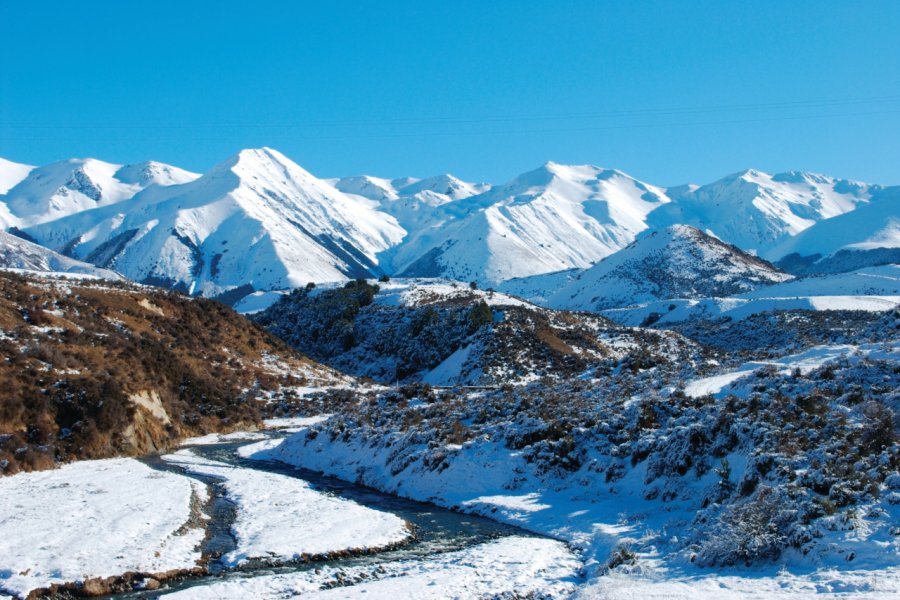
pixel 667 91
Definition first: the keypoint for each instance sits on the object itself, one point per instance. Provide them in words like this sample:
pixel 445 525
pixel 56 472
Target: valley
pixel 257 383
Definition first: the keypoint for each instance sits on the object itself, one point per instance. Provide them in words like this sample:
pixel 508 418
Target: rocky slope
pixel 94 369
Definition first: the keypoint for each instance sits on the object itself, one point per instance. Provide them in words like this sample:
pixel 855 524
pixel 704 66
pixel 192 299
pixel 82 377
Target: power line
pixel 650 112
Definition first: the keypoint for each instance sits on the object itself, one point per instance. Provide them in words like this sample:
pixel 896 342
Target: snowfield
pixel 514 566
pixel 825 584
pixel 282 518
pixel 96 519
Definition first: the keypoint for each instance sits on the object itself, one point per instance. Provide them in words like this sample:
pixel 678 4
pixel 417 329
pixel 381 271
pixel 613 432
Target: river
pixel 438 530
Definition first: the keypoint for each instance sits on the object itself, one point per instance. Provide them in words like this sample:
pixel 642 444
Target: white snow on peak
pixel 445 185
pixel 257 219
pixel 152 172
pixel 552 218
pixel 51 192
pixel 413 202
pixel 754 210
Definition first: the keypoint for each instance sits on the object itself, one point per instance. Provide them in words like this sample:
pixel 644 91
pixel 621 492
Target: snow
pixel 555 217
pixel 283 518
pixel 67 187
pixel 873 289
pixel 11 174
pixel 19 254
pixel 805 361
pixel 258 301
pixel 512 565
pixel 256 219
pixel 872 225
pixel 95 519
pixel 449 371
pixel 538 288
pixel 678 262
pixel 294 423
pixel 825 584
pixel 258 222
pixel 755 210
pixel 870 281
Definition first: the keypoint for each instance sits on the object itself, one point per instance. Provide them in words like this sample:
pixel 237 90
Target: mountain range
pixel 258 221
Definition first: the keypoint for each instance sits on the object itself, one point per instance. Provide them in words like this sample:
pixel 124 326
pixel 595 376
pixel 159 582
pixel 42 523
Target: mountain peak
pixel 679 261
pixel 153 172
pixel 260 164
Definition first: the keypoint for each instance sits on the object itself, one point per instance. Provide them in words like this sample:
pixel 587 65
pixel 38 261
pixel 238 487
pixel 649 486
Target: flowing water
pixel 437 529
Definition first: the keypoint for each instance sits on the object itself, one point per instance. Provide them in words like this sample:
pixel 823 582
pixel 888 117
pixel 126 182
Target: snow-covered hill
pixel 678 262
pixel 257 220
pixel 872 289
pixel 867 236
pixel 445 333
pixel 17 253
pixel 44 194
pixel 553 218
pixel 754 210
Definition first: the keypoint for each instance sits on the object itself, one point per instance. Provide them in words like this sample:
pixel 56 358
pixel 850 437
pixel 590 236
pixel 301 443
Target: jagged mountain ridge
pixel 553 218
pixel 158 224
pixel 255 221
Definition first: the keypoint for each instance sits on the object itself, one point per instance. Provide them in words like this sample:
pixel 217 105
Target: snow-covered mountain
pixel 553 218
pixel 17 253
pixel 258 221
pixel 754 210
pixel 867 236
pixel 413 202
pixel 677 262
pixel 255 221
pixel 31 196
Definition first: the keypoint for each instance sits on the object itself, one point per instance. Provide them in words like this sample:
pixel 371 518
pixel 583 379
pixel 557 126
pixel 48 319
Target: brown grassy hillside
pixel 92 369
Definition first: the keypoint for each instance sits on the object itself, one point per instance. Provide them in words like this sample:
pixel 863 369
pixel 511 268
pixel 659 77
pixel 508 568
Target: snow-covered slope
pixel 869 235
pixel 539 288
pixel 17 253
pixel 754 210
pixel 413 202
pixel 678 262
pixel 873 289
pixel 11 174
pixel 72 186
pixel 553 218
pixel 256 220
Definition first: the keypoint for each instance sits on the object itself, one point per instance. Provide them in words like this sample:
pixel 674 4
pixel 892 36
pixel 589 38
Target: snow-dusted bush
pixel 750 530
